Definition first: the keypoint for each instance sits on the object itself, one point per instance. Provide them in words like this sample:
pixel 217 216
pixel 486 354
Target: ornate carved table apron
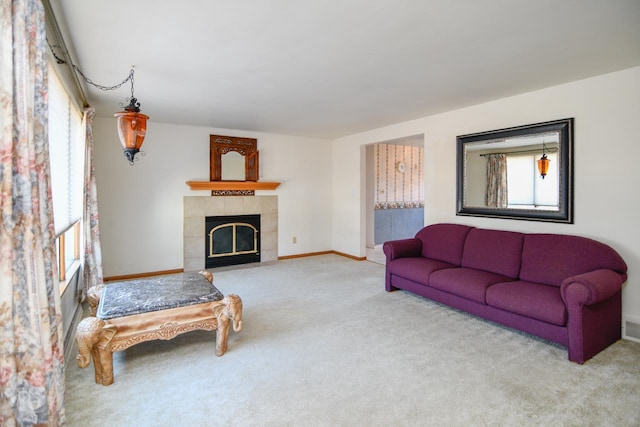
pixel 135 311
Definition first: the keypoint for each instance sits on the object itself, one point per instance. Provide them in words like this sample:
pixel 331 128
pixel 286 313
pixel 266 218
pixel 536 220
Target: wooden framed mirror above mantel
pixel 226 177
pixel 221 145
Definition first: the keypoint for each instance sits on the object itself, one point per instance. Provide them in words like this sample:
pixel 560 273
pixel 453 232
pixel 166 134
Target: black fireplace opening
pixel 232 240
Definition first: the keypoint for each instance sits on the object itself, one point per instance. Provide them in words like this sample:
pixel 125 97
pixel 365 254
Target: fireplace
pixel 197 208
pixel 231 240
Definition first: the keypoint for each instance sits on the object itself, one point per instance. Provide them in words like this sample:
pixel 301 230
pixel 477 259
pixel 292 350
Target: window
pixel 68 247
pixel 525 188
pixel 66 151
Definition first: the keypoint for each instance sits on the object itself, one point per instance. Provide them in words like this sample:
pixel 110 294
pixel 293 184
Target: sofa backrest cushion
pixel 494 251
pixel 551 258
pixel 443 242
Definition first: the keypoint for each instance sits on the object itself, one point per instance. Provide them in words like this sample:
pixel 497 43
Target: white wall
pixel 606 148
pixel 141 206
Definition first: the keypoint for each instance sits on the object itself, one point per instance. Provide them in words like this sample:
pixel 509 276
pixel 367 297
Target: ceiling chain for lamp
pixel 132 124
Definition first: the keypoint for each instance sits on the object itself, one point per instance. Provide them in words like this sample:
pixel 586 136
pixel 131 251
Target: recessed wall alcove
pixel 197 208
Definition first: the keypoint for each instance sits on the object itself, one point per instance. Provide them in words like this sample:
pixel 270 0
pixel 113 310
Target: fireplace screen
pixel 232 240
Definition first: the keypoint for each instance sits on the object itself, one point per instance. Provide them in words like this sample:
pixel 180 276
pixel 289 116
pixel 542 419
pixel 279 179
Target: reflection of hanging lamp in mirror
pixel 132 126
pixel 543 163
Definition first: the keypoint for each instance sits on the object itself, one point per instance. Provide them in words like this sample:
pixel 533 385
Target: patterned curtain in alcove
pixel 31 353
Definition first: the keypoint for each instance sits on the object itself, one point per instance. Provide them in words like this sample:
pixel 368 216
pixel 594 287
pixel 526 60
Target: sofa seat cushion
pixel 417 269
pixel 465 282
pixel 534 300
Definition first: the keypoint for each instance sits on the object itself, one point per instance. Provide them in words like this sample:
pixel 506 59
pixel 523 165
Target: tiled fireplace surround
pixel 196 208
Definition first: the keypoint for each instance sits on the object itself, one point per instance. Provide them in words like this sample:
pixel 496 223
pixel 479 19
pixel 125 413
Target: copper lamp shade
pixel 132 128
pixel 543 165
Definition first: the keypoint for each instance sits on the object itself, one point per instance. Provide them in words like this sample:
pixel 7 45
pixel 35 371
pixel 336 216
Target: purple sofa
pixel 565 289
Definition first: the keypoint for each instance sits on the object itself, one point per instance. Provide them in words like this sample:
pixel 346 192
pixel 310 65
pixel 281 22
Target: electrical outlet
pixel 294 240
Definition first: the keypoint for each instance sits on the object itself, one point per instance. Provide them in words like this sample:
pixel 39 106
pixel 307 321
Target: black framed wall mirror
pixel 523 172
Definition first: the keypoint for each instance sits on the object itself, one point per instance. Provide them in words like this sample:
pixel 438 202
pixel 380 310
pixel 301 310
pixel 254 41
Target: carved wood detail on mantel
pixel 232 185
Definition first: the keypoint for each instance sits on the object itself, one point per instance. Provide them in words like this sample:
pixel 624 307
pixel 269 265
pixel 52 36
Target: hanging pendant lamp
pixel 132 126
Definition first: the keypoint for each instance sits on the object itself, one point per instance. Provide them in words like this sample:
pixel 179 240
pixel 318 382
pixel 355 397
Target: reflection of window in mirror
pixel 232 166
pixel 525 187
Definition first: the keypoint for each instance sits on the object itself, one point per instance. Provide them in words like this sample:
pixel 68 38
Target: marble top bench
pixel 160 293
pixel 134 311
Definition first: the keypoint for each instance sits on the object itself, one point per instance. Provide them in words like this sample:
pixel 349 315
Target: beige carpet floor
pixel 324 345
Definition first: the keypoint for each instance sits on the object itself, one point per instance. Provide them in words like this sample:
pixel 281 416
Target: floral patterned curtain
pixel 92 253
pixel 496 191
pixel 31 353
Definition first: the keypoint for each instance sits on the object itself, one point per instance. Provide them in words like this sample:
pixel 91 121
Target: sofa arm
pixel 402 248
pixel 591 288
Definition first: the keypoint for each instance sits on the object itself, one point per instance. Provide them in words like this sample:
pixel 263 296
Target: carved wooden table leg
pixel 94 336
pixel 222 335
pixel 231 309
pixel 105 359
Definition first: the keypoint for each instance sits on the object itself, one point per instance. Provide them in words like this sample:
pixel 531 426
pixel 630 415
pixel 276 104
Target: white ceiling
pixel 327 69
